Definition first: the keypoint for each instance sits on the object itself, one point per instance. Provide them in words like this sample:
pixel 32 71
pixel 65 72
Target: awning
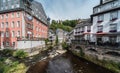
pixel 108 34
pixel 87 33
pixel 101 33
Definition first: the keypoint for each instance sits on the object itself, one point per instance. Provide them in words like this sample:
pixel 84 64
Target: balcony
pixel 82 31
pixel 100 21
pixel 113 31
pixel 99 31
pixel 113 19
pixel 88 30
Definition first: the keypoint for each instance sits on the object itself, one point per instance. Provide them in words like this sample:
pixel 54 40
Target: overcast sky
pixel 68 9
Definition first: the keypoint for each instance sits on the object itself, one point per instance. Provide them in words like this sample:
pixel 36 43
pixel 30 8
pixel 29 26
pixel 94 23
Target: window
pixel 17 4
pixel 100 18
pixel 7 25
pixel 113 39
pixel 2 17
pixel 88 28
pixel 6 15
pixel 114 4
pixel 12 6
pixel 3 43
pixel 1 8
pixel 113 27
pixel 2 34
pixel 95 10
pixel 18 14
pixel 18 34
pixel 13 24
pixel 18 23
pixel 83 29
pixel 2 25
pixel 113 16
pixel 100 29
pixel 12 15
pixel 7 34
pixel 13 43
pixel 13 34
pixel 7 44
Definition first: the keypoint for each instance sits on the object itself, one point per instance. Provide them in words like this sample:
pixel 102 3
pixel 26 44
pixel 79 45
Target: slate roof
pixel 86 22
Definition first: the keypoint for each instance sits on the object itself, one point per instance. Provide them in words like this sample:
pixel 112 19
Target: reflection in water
pixel 59 65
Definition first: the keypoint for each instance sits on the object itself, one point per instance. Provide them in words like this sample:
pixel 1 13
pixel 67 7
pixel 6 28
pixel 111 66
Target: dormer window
pixel 114 16
pixel 100 18
pixel 114 4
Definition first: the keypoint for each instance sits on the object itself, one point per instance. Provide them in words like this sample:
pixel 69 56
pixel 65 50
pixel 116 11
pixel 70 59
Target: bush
pixel 46 41
pixel 65 45
pixel 14 67
pixel 7 52
pixel 50 47
pixel 20 54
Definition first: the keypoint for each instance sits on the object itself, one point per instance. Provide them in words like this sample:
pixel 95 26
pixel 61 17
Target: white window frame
pixel 7 34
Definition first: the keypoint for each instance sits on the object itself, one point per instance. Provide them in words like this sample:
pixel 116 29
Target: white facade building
pixel 60 34
pixel 106 22
pixel 82 31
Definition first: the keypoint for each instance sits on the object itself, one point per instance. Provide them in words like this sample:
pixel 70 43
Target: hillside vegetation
pixel 66 25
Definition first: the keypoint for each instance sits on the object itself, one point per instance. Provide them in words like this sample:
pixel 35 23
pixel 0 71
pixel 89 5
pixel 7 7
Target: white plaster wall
pixel 93 29
pixel 106 26
pixel 29 44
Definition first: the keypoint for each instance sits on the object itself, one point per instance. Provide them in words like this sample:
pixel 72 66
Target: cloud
pixel 68 9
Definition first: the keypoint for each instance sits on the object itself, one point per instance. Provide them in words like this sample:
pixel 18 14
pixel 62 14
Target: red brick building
pixel 27 22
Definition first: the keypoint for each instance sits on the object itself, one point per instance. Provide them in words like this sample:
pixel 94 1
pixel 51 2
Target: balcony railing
pixel 100 21
pixel 82 31
pixel 113 31
pixel 113 19
pixel 88 30
pixel 99 31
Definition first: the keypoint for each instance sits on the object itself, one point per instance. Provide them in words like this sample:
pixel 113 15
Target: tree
pixel 66 25
pixel 57 41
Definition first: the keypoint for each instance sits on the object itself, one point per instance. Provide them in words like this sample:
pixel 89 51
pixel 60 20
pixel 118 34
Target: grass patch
pixel 20 54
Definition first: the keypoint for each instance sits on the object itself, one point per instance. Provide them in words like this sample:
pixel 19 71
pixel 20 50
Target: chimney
pixel 101 1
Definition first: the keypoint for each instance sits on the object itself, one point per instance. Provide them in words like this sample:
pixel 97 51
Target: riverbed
pixel 67 63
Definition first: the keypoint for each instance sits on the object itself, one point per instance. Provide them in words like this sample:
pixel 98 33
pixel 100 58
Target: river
pixel 67 63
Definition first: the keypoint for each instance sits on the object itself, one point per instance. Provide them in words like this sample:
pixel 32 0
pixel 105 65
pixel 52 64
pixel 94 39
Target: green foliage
pixel 56 41
pixel 112 66
pixel 7 52
pixel 71 23
pixel 46 41
pixel 66 25
pixel 50 47
pixel 13 67
pixel 20 54
pixel 81 52
pixel 65 45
